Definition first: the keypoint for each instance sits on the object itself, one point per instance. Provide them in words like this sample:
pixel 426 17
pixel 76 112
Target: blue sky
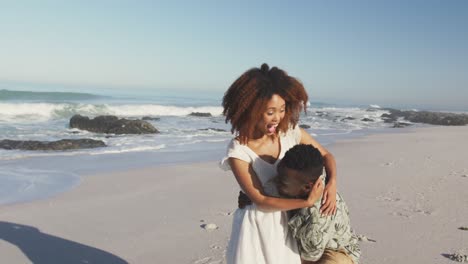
pixel 412 53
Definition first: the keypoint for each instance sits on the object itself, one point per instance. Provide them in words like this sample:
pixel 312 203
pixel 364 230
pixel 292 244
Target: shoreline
pixel 29 179
pixel 406 191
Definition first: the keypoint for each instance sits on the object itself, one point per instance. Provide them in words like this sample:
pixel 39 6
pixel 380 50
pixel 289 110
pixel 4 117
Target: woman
pixel 263 107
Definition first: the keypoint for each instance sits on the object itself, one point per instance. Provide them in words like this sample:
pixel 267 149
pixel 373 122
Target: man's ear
pixel 308 187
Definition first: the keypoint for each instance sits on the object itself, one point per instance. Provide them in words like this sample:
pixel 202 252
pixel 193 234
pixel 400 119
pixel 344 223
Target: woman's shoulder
pixel 235 143
pixel 235 150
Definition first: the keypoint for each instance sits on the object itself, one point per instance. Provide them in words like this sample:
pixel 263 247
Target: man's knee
pixel 334 257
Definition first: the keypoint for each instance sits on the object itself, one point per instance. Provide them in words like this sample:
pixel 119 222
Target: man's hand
pixel 243 200
pixel 329 199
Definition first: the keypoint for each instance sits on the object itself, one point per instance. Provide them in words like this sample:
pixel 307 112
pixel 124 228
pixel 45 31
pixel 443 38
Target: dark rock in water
pixel 213 129
pixel 149 118
pixel 433 118
pixel 112 125
pixel 367 120
pixel 372 109
pixel 389 118
pixel 348 118
pixel 321 113
pixel 400 124
pixel 200 114
pixel 304 126
pixel 64 144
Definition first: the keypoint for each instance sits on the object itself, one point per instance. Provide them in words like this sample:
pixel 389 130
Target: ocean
pixel 45 116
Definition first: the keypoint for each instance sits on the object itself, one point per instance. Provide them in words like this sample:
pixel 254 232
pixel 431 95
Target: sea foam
pixel 27 112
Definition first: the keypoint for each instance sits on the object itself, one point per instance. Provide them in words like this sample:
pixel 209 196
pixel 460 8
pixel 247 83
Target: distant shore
pixel 406 191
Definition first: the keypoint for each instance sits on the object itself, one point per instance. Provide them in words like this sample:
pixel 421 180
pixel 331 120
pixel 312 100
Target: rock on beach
pixel 112 125
pixel 426 117
pixel 64 144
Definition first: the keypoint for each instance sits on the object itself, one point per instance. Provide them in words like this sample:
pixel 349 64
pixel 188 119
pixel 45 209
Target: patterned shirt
pixel 315 233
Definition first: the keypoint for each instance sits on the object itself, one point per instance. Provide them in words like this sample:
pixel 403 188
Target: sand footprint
pixel 203 260
pixel 208 260
pixel 462 173
pixel 393 202
pixel 388 197
pixel 215 247
pixel 225 213
pixel 216 262
pixel 411 210
pixel 389 164
pixel 402 214
pixel 365 239
pixel 424 212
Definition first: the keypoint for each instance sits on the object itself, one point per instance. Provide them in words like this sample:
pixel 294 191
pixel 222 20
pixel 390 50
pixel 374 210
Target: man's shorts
pixel 332 257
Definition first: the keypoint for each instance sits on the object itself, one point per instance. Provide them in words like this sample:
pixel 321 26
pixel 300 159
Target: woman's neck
pixel 262 138
pixel 262 141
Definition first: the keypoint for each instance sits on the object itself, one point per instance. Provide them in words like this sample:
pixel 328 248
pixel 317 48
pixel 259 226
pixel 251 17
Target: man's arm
pixel 251 185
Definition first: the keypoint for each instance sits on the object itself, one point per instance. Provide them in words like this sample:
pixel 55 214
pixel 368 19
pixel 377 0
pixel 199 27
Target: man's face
pixel 290 183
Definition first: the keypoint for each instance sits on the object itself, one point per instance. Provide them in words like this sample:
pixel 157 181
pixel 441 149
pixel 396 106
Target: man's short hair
pixel 304 158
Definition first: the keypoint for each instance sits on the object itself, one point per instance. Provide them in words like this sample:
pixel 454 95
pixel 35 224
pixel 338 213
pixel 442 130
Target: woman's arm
pixel 252 187
pixel 329 194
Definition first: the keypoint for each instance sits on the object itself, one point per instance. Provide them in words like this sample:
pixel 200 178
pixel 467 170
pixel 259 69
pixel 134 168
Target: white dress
pixel 261 237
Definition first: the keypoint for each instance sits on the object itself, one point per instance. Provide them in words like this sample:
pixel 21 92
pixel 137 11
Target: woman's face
pixel 272 116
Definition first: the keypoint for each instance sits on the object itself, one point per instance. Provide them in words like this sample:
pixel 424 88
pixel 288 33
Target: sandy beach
pixel 407 193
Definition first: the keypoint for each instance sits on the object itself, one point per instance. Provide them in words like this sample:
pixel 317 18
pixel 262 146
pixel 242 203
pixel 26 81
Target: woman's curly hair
pixel 245 101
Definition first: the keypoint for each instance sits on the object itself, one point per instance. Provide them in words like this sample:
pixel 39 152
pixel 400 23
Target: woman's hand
pixel 329 199
pixel 243 200
pixel 315 193
pixel 329 196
